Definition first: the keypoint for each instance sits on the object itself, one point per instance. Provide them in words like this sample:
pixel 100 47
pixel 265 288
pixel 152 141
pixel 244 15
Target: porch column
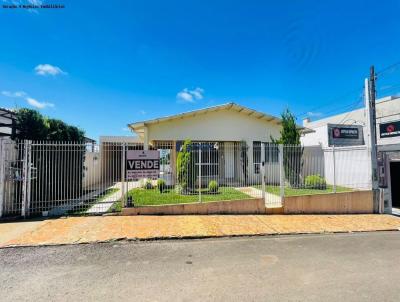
pixel 145 138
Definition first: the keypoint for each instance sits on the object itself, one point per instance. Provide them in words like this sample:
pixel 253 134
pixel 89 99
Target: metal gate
pixel 42 178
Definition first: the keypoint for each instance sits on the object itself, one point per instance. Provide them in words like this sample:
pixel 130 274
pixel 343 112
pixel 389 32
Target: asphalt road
pixel 352 267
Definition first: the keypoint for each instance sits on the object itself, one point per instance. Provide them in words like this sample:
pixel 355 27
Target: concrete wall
pixel 352 167
pixel 357 202
pixel 92 164
pixel 247 206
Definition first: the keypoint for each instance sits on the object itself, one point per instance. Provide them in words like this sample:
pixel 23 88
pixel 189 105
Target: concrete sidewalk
pixel 74 230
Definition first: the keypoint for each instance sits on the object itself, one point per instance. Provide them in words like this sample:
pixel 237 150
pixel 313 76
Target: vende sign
pixel 142 164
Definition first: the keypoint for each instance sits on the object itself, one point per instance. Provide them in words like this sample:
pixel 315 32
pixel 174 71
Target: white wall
pixel 224 125
pixel 92 165
pixel 352 169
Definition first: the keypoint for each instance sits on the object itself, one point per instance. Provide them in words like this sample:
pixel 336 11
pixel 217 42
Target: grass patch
pixel 296 192
pixel 142 197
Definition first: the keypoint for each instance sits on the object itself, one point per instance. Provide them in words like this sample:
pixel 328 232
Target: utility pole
pixel 370 95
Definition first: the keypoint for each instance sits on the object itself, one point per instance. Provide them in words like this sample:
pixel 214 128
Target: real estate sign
pixel 142 164
pixel 390 129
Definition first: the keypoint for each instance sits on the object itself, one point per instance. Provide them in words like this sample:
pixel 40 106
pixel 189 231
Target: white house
pixel 229 128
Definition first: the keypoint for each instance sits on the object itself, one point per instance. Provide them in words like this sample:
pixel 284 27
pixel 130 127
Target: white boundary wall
pixel 352 166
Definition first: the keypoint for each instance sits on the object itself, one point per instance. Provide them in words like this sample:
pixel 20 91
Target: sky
pixel 100 65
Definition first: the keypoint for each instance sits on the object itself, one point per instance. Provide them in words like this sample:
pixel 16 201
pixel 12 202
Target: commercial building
pixel 349 130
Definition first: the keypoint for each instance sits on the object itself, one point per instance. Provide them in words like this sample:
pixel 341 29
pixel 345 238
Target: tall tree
pixel 32 125
pixel 290 134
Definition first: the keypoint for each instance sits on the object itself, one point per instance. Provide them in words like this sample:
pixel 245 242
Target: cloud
pixel 314 114
pixel 16 94
pixel 47 69
pixel 126 129
pixel 190 96
pixel 37 104
pixel 31 101
pixel 142 112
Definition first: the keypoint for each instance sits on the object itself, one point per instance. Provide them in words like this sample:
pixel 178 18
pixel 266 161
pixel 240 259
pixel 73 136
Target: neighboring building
pixel 350 130
pixel 7 122
pixel 230 127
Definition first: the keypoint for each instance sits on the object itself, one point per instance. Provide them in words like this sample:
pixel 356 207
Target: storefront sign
pixel 142 164
pixel 389 129
pixel 345 132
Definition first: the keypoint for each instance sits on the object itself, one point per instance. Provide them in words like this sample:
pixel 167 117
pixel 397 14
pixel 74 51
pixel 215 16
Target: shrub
pixel 161 185
pixel 213 186
pixel 178 189
pixel 315 181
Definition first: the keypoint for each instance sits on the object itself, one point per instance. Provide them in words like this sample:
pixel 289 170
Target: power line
pixel 331 102
pixel 359 102
pixel 389 67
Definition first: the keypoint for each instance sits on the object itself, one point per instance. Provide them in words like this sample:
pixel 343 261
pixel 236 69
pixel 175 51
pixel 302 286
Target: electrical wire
pixel 331 102
pixel 359 102
pixel 387 68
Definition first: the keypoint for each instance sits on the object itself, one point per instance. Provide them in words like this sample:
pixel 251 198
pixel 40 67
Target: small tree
pixel 185 166
pixel 293 152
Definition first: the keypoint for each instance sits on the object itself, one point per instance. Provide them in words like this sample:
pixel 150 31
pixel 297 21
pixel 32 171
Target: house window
pixel 271 154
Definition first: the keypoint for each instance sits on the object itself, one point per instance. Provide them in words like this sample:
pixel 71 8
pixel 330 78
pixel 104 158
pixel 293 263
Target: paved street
pixel 347 267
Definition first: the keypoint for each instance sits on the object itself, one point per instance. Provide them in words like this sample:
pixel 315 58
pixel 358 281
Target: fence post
pixel 263 171
pixel 123 162
pixel 334 168
pixel 281 173
pixel 200 173
pixel 2 175
pixel 25 180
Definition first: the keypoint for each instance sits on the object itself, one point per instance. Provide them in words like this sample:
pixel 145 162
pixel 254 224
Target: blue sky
pixel 102 64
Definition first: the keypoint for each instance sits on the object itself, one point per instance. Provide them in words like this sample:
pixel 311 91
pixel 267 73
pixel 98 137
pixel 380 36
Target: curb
pixel 198 237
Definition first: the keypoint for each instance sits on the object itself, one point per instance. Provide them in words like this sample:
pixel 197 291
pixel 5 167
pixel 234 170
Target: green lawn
pixel 295 192
pixel 142 197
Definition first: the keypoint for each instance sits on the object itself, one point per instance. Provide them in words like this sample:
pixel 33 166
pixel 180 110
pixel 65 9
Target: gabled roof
pixel 230 106
pixel 233 106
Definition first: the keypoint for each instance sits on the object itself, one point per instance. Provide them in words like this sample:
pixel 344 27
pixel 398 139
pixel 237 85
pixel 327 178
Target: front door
pixel 395 183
